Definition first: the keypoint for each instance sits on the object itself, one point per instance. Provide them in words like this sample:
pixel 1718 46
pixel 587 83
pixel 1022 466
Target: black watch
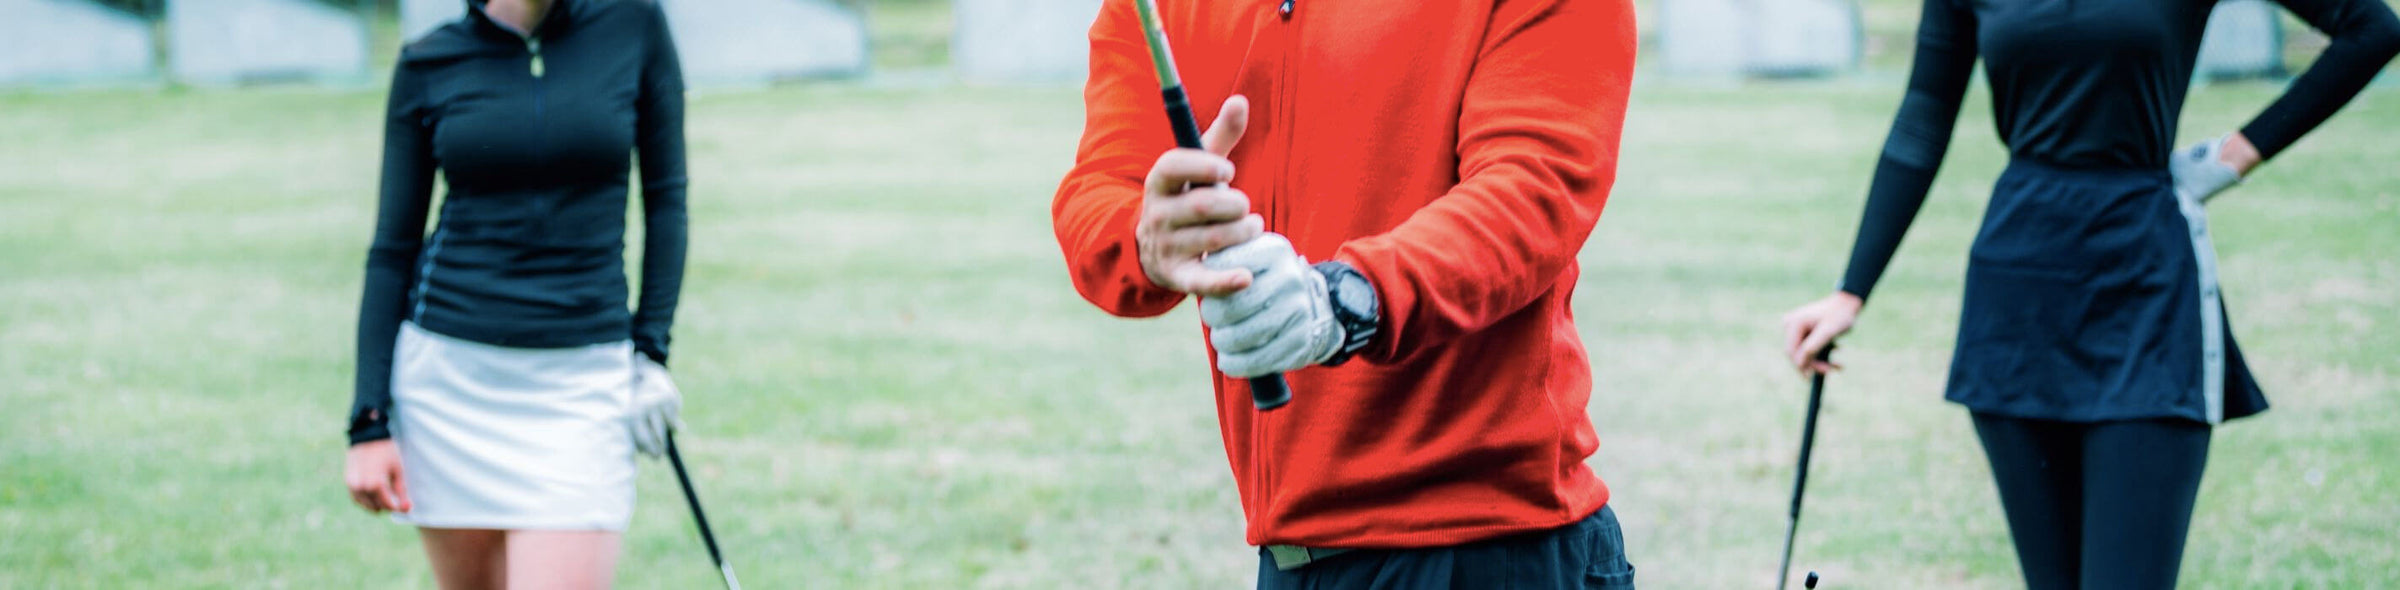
pixel 1355 307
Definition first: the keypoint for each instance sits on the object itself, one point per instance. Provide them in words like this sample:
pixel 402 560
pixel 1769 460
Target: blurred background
pixel 69 43
pixel 187 187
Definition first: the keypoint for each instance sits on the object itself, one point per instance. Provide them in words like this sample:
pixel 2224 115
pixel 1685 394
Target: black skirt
pixel 2091 296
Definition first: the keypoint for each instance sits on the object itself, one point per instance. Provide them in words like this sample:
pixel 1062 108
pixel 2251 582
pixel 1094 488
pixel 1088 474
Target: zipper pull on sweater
pixel 534 46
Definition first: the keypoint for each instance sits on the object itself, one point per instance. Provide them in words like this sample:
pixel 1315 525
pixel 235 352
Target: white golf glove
pixel 1283 321
pixel 2200 171
pixel 657 406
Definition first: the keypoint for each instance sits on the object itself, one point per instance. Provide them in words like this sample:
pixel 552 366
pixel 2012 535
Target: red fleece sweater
pixel 1458 153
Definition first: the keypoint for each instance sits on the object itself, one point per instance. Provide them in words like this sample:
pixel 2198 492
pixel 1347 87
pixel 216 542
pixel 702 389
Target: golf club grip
pixel 1808 436
pixel 682 476
pixel 1179 116
pixel 1268 391
pixel 1808 444
pixel 1808 429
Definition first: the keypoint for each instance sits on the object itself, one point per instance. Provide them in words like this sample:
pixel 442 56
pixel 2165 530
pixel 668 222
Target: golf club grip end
pixel 1269 392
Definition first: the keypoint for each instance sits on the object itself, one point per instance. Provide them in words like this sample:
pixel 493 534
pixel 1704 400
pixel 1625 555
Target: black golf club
pixel 692 497
pixel 1808 442
pixel 1266 391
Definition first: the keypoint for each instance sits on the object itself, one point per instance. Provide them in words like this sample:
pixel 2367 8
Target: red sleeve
pixel 1097 206
pixel 1537 147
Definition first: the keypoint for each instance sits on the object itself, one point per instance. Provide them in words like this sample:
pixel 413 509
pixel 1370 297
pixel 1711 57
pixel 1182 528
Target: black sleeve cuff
pixel 656 350
pixel 369 426
pixel 1854 292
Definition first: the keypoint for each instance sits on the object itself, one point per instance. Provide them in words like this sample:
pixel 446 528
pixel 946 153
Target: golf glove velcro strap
pixel 1283 322
pixel 657 406
pixel 2200 171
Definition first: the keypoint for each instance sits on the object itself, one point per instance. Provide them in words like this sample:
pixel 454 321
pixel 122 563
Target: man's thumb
pixel 1232 119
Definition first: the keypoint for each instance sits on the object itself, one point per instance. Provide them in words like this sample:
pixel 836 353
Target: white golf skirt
pixel 493 437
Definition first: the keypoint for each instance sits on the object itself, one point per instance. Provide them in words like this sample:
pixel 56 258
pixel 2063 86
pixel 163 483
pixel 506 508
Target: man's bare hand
pixel 1187 212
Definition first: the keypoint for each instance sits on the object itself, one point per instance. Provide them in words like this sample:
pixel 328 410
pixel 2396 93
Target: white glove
pixel 2200 171
pixel 657 406
pixel 1281 322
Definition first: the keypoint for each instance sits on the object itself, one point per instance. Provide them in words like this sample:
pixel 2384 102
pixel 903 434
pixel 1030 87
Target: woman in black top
pixel 2092 349
pixel 503 386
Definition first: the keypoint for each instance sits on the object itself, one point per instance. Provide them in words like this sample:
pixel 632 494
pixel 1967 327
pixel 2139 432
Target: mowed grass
pixel 891 384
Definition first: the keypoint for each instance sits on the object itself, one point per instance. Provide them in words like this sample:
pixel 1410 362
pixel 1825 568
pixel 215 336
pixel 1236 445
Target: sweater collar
pixel 553 22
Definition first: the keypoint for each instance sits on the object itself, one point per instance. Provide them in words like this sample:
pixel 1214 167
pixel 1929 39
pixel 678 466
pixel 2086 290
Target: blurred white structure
pixel 1804 37
pixel 1022 41
pixel 760 41
pixel 236 41
pixel 71 41
pixel 727 41
pixel 1703 36
pixel 2244 40
pixel 1759 37
pixel 419 16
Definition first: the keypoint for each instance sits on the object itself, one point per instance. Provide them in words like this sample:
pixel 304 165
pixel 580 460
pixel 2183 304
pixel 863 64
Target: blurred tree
pixel 156 8
pixel 140 7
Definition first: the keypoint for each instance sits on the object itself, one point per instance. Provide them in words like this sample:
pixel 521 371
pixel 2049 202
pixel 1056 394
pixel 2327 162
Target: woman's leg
pixel 2140 478
pixel 562 560
pixel 466 559
pixel 2038 466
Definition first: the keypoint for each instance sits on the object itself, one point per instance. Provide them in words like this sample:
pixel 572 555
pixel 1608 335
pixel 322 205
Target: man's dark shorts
pixel 1589 554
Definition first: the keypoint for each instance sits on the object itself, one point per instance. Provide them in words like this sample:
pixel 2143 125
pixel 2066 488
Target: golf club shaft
pixel 1268 391
pixel 692 497
pixel 1808 443
pixel 1785 574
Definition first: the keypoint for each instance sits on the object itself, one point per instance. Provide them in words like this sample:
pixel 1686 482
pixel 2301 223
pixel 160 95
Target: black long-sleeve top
pixel 534 135
pixel 2088 84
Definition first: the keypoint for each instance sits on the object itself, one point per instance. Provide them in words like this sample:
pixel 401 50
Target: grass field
pixel 892 385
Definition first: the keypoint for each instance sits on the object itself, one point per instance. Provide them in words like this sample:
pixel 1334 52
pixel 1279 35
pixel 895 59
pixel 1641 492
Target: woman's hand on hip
pixel 372 472
pixel 2239 154
pixel 2209 167
pixel 1810 328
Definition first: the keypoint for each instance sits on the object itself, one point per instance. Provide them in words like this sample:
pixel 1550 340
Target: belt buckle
pixel 1292 557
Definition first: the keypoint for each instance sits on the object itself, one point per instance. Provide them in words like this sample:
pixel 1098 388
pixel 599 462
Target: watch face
pixel 1356 295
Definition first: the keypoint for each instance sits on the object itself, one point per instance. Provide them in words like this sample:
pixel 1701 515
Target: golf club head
pixel 1811 582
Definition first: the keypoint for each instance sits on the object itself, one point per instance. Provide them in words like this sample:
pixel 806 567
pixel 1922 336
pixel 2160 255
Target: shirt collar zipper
pixel 533 46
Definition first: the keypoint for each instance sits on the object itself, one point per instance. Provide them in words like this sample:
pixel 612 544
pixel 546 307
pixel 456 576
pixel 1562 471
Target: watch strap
pixel 1358 325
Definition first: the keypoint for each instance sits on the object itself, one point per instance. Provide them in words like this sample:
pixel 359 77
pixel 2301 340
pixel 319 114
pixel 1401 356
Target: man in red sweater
pixel 1446 160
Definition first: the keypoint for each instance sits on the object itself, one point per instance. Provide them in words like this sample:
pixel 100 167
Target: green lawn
pixel 891 383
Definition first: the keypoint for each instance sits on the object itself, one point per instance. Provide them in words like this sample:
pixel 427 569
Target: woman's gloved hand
pixel 657 406
pixel 2208 168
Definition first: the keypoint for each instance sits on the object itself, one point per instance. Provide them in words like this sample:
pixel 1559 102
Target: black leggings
pixel 2096 505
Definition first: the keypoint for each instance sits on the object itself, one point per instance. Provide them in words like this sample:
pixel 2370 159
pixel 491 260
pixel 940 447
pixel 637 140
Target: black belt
pixel 1292 557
